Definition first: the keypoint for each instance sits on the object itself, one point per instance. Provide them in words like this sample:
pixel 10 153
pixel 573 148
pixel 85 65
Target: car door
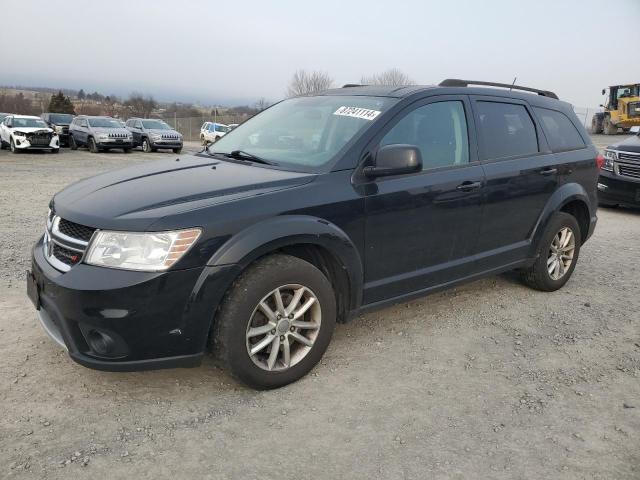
pixel 137 132
pixel 83 131
pixel 421 228
pixel 521 172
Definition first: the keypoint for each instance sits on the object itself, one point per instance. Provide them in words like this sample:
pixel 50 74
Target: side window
pixel 83 123
pixel 439 130
pixel 138 124
pixel 561 132
pixel 507 130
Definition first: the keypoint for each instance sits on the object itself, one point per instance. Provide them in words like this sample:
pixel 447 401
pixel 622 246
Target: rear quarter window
pixel 561 133
pixel 506 129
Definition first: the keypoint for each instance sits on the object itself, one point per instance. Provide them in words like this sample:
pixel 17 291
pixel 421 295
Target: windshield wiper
pixel 242 155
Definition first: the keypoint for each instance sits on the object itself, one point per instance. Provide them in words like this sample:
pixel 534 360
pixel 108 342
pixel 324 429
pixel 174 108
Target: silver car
pixel 153 134
pixel 99 134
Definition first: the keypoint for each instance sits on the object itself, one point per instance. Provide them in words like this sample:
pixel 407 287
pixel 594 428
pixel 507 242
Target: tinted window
pixel 438 129
pixel 561 132
pixel 506 130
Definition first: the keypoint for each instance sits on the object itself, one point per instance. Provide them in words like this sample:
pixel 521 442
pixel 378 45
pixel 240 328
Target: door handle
pixel 468 186
pixel 548 171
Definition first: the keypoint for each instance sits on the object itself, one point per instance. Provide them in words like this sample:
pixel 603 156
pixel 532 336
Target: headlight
pixel 155 136
pixel 609 157
pixel 103 136
pixel 58 129
pixel 18 133
pixel 151 252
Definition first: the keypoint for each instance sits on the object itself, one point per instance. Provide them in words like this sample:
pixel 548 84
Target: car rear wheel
pixel 557 254
pixel 93 147
pixel 275 322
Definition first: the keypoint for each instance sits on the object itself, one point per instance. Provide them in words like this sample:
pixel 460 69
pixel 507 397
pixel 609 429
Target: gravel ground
pixel 489 380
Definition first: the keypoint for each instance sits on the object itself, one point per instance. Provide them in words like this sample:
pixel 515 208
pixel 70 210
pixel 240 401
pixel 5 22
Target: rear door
pixel 521 175
pixel 421 228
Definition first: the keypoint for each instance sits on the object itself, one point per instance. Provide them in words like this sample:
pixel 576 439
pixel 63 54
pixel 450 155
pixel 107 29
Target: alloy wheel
pixel 561 253
pixel 283 327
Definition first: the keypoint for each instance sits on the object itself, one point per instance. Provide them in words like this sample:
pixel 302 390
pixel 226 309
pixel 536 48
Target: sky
pixel 237 51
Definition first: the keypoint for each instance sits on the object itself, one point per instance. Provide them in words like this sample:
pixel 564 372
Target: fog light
pixel 101 343
pixel 18 142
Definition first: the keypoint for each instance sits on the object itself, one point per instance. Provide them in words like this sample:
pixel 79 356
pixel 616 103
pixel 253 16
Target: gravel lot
pixel 489 380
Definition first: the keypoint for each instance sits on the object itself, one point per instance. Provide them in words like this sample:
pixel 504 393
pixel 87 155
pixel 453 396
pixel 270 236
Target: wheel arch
pixel 570 198
pixel 319 242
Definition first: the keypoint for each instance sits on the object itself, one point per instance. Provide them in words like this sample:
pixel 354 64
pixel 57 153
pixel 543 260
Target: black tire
pixel 93 147
pixel 228 339
pixel 177 150
pixel 55 150
pixel 12 147
pixel 608 127
pixel 146 146
pixel 537 276
pixel 127 150
pixel 72 143
pixel 596 124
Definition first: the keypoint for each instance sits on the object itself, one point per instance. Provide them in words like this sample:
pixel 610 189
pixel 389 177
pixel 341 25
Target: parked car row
pixel 50 131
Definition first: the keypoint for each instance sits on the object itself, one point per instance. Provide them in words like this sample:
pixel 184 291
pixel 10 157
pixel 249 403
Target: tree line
pixel 304 82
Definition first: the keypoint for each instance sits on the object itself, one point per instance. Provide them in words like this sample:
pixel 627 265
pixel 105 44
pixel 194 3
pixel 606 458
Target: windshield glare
pixel 155 125
pixel 28 123
pixel 105 123
pixel 305 132
pixel 61 118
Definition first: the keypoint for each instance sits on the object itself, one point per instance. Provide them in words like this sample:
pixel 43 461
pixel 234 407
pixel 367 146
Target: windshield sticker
pixel 357 112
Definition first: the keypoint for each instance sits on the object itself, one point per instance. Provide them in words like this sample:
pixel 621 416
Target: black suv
pixel 619 182
pixel 59 123
pixel 315 210
pixel 152 134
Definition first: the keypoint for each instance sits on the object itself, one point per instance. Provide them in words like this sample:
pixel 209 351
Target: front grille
pixel 65 130
pixel 170 136
pixel 631 157
pixel 75 230
pixel 118 135
pixel 627 170
pixel 66 256
pixel 39 138
pixel 65 242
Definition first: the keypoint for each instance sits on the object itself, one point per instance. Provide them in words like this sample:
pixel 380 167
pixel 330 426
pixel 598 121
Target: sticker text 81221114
pixel 357 112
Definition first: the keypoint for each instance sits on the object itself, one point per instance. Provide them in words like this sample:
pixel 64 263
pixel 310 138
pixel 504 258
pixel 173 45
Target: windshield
pixel 28 123
pixel 155 125
pixel 105 123
pixel 60 118
pixel 304 132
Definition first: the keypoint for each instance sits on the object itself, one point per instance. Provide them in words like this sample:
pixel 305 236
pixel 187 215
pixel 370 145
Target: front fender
pixel 561 197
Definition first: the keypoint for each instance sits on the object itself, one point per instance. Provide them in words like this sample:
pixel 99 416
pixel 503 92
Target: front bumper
pixel 151 320
pixel 114 143
pixel 21 143
pixel 166 144
pixel 615 189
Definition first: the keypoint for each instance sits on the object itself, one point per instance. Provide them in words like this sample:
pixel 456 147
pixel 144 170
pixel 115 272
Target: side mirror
pixel 398 159
pixel 635 130
pixel 604 91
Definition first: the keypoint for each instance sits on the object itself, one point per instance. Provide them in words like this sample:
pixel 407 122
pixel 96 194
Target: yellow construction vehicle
pixel 621 110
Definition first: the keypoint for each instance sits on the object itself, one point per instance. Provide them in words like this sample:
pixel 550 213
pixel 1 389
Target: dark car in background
pixel 619 182
pixel 59 123
pixel 153 134
pixel 312 212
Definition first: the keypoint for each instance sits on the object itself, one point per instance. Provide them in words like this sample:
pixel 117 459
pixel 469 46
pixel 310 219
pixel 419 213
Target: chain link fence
pixel 189 127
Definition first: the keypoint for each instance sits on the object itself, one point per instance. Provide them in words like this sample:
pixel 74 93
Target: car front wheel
pixel 93 147
pixel 276 322
pixel 146 146
pixel 12 147
pixel 557 254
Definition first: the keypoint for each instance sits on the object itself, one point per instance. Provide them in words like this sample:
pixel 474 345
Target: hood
pixel 118 131
pixel 631 144
pixel 135 197
pixel 32 129
pixel 160 131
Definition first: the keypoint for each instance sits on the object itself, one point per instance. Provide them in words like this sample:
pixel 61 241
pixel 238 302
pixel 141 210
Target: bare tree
pixel 391 77
pixel 305 83
pixel 141 106
pixel 262 104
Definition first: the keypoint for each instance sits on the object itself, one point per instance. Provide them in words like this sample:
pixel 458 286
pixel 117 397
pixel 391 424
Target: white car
pixel 26 132
pixel 212 132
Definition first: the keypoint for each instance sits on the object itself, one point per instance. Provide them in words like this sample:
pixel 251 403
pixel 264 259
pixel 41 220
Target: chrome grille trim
pixel 53 236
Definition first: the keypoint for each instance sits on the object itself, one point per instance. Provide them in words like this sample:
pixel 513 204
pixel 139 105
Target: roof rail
pixel 455 82
pixel 348 85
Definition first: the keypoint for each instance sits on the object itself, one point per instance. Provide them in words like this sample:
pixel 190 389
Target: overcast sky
pixel 238 51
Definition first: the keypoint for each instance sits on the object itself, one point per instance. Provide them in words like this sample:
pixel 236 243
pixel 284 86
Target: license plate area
pixel 33 291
